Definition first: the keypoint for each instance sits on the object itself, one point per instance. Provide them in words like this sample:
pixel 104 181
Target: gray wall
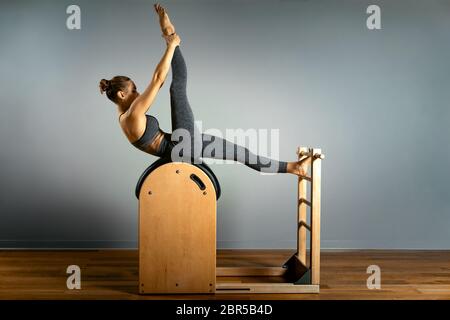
pixel 376 102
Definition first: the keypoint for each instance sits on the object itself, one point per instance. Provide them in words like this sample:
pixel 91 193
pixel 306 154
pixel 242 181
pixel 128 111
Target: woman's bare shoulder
pixel 133 125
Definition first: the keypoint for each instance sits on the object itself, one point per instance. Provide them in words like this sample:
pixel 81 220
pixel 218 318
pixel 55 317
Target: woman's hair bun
pixel 104 85
pixel 111 87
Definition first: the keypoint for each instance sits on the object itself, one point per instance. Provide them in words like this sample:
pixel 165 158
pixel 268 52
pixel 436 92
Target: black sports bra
pixel 151 130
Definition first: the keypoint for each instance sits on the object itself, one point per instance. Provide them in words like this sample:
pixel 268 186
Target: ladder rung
pixel 301 200
pixel 303 224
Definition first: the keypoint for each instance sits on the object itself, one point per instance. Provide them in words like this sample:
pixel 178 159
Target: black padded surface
pixel 161 161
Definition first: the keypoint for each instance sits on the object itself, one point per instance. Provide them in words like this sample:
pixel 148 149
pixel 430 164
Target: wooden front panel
pixel 177 232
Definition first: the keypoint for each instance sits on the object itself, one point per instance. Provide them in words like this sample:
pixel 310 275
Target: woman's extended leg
pixel 181 113
pixel 217 148
pixel 203 145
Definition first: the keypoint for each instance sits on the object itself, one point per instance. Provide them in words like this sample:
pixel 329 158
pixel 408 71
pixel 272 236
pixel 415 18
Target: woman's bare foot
pixel 299 168
pixel 167 27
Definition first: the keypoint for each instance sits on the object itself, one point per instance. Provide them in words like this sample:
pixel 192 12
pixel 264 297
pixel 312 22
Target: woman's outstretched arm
pixel 145 100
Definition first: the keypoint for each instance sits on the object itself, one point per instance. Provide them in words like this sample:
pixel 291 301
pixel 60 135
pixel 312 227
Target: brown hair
pixel 111 87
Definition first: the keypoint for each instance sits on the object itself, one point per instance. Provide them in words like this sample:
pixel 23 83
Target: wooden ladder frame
pixel 298 276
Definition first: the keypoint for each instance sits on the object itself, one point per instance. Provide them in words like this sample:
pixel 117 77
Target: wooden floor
pixel 113 274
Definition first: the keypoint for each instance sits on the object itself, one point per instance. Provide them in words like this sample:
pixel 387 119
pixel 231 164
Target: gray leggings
pixel 203 145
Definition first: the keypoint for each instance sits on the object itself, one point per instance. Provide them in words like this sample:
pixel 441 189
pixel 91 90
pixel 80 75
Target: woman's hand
pixel 173 40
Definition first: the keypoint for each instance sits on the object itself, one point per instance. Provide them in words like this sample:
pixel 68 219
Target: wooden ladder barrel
pixel 177 234
pixel 177 228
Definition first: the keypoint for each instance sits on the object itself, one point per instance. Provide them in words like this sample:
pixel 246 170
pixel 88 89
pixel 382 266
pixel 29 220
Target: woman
pixel 143 130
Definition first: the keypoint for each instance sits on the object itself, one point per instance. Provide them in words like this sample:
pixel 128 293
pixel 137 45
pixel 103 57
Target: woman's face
pixel 133 90
pixel 131 93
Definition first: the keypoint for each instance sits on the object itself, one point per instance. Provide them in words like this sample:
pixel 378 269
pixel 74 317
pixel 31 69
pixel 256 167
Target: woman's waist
pixel 164 143
pixel 152 144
